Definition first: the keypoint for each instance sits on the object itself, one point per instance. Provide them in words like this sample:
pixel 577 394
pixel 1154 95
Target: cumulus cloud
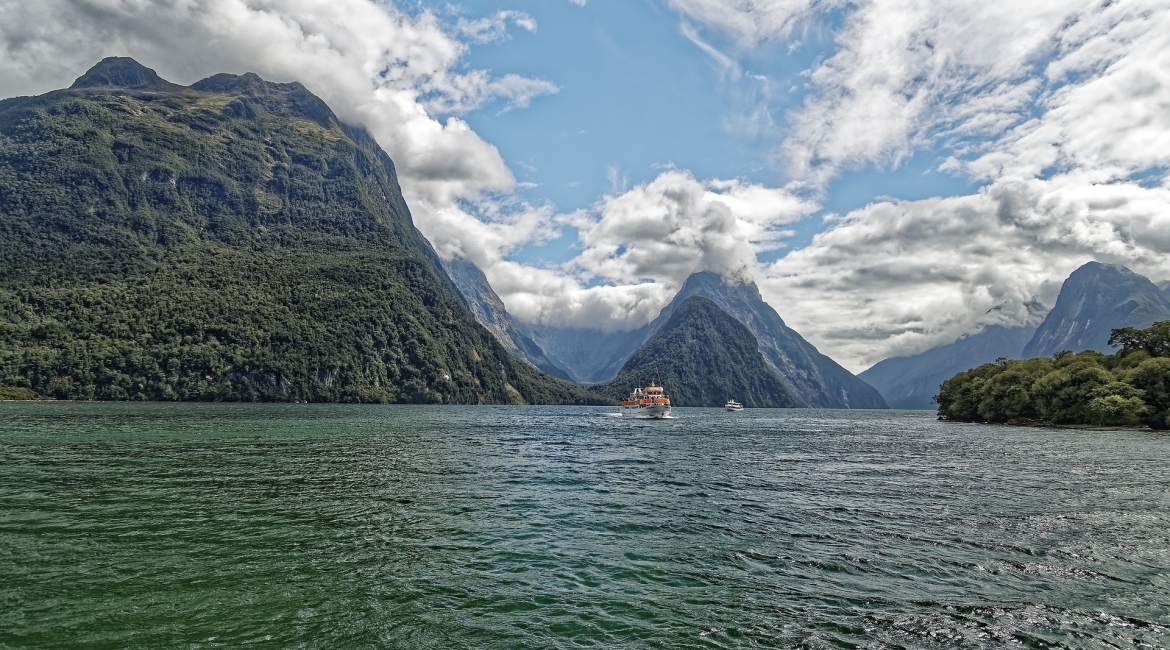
pixel 908 74
pixel 1061 109
pixel 900 277
pixel 489 29
pixel 642 243
pixel 375 65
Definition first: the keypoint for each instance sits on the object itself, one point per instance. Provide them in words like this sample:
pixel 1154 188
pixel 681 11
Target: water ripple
pixel 210 526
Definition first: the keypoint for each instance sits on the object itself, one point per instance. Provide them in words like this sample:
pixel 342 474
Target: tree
pixel 1152 377
pixel 1154 340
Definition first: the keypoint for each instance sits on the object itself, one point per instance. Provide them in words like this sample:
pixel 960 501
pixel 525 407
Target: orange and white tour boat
pixel 648 402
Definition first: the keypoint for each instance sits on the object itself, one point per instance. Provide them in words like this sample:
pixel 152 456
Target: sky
pixel 887 171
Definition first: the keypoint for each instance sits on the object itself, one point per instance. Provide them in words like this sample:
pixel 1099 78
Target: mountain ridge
pixel 227 241
pixel 911 382
pixel 1095 299
pixel 704 357
pixel 813 379
pixel 490 311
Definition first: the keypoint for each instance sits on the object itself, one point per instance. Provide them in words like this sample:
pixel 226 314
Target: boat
pixel 733 405
pixel 648 402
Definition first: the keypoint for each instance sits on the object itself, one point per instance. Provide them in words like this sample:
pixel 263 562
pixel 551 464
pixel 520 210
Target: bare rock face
pixel 490 311
pixel 1096 299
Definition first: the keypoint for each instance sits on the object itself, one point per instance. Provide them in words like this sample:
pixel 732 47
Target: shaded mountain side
pixel 813 379
pixel 1093 301
pixel 232 240
pixel 490 311
pixel 704 357
pixel 590 355
pixel 912 382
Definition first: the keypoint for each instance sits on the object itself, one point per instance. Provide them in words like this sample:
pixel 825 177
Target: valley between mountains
pixel 235 241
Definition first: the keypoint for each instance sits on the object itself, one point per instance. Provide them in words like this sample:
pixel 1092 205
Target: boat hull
pixel 652 411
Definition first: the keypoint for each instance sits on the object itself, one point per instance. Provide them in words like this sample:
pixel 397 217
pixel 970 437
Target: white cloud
pixel 489 29
pixel 1061 109
pixel 899 277
pixel 643 243
pixel 373 64
pixel 908 74
pixel 751 21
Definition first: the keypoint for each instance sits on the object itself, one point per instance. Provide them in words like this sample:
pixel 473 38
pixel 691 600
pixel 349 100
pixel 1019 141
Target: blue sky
pixel 801 143
pixel 638 96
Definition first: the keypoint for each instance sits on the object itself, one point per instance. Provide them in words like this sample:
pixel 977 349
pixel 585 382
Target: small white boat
pixel 648 402
pixel 733 405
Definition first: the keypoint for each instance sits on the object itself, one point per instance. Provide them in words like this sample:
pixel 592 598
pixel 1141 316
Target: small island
pixel 1128 388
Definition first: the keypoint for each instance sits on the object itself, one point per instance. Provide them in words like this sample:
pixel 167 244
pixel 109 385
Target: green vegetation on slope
pixel 230 241
pixel 1129 387
pixel 703 357
pixel 10 393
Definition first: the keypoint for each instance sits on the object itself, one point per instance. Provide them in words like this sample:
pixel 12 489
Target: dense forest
pixel 228 241
pixel 703 357
pixel 1129 387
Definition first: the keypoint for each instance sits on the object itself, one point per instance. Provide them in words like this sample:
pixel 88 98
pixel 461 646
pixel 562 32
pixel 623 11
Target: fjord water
pixel 203 526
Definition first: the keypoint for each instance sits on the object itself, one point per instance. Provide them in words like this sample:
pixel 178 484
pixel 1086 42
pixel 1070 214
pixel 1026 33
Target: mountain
pixel 1094 300
pixel 703 356
pixel 231 240
pixel 590 355
pixel 813 379
pixel 912 382
pixel 490 311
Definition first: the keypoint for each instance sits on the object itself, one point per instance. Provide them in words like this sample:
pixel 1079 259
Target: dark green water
pixel 204 526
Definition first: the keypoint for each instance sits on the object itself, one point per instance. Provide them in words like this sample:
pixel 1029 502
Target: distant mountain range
pixel 1094 300
pixel 231 240
pixel 809 378
pixel 912 382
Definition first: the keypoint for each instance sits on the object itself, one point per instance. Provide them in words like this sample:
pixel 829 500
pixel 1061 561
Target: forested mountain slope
pixel 231 240
pixel 813 379
pixel 703 357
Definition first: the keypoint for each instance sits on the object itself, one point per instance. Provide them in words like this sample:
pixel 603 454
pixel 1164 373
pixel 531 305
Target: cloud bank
pixel 1060 110
pixel 395 73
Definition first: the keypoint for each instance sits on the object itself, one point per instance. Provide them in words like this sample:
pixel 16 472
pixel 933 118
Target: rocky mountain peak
pixel 123 72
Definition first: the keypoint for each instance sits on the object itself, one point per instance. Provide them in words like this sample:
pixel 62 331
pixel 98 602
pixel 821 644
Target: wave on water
pixel 324 526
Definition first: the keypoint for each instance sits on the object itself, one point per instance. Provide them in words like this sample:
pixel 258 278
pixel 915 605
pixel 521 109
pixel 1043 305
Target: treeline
pixel 1129 387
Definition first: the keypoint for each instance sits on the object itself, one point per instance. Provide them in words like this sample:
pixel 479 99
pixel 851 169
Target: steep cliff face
pixel 813 379
pixel 490 311
pixel 590 355
pixel 1094 300
pixel 230 240
pixel 703 357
